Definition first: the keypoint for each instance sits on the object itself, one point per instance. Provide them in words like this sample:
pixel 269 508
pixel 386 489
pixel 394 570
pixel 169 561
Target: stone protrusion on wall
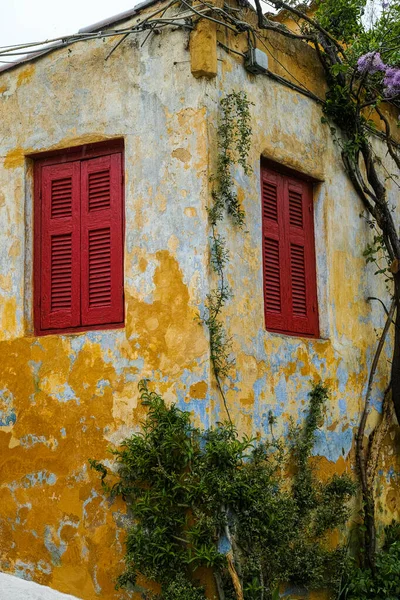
pixel 203 49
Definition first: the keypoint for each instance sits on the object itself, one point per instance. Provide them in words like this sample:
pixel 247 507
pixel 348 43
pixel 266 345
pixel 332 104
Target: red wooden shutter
pixel 60 246
pixel 102 241
pixel 273 250
pixel 303 315
pixel 290 293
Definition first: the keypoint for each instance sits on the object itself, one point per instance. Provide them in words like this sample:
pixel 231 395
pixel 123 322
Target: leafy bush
pixel 384 583
pixel 210 499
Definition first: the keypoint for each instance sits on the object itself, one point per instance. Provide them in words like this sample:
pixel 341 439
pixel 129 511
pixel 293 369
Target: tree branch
pixel 388 137
pixel 264 23
pixel 367 493
pixel 302 15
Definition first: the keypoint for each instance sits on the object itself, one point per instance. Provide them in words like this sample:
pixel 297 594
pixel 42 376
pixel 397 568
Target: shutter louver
pixel 272 275
pixel 270 201
pixel 61 272
pixel 298 280
pixel 60 246
pixel 99 190
pixel 102 268
pixel 99 267
pixel 295 208
pixel 61 198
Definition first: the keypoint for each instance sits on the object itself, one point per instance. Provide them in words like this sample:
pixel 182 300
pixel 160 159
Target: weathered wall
pixel 65 398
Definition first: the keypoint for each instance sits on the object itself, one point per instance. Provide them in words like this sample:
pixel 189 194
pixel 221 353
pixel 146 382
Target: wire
pixel 231 49
pixel 283 67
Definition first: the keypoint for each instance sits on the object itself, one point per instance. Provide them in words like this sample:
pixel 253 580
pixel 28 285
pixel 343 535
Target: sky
pixel 38 20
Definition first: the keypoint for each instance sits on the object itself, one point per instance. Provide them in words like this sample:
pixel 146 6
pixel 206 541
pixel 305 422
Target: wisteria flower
pixel 392 82
pixel 370 63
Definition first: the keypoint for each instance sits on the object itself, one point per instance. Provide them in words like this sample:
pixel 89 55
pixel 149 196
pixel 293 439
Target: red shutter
pixel 60 246
pixel 273 250
pixel 302 291
pixel 290 293
pixel 102 241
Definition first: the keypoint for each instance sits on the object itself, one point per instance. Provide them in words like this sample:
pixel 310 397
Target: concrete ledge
pixel 14 588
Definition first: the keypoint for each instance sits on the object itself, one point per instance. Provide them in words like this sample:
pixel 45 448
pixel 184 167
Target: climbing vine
pixel 210 500
pixel 234 139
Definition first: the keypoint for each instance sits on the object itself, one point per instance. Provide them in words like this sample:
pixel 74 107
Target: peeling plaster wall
pixel 274 372
pixel 65 398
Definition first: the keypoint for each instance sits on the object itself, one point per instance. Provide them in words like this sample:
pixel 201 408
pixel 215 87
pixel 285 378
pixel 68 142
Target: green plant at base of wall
pixel 384 583
pixel 209 499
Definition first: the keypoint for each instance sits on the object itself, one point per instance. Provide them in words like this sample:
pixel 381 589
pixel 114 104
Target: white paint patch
pixel 14 588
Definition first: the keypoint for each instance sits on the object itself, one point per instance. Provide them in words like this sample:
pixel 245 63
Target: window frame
pixel 58 157
pixel 311 267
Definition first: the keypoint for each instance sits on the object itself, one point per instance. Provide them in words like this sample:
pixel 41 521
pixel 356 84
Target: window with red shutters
pixel 79 240
pixel 290 291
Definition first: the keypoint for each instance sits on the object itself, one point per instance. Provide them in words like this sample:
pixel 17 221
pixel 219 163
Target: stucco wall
pixel 65 398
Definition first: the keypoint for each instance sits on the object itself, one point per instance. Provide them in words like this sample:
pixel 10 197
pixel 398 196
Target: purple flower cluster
pixel 392 82
pixel 371 63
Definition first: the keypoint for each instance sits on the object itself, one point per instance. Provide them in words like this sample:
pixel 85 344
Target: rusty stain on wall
pixel 65 398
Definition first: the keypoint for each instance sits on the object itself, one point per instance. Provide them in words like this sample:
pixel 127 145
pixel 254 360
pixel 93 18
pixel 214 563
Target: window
pixel 290 291
pixel 79 239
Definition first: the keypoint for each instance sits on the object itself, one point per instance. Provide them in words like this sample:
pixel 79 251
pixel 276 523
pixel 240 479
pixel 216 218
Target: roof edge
pixel 100 25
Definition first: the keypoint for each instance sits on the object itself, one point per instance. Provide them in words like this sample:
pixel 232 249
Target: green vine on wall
pixel 254 514
pixel 234 139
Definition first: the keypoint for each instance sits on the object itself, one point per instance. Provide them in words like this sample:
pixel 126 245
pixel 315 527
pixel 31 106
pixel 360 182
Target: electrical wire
pixel 283 66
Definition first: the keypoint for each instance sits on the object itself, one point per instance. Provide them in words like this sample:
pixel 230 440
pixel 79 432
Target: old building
pixel 105 165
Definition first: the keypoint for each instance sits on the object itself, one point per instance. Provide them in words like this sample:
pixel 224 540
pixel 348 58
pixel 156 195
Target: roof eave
pixel 124 16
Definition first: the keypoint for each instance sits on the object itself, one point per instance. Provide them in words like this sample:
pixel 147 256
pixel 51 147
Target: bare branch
pixel 377 437
pixel 305 17
pixel 264 23
pixel 369 507
pixel 388 137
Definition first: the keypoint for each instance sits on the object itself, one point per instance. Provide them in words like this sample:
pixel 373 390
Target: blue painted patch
pixel 333 444
pixel 37 478
pixel 7 420
pixel 101 385
pixel 24 570
pixel 342 407
pixel 7 412
pixel 342 376
pixel 260 410
pixel 224 545
pixel 66 395
pixel 56 552
pixel 30 440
